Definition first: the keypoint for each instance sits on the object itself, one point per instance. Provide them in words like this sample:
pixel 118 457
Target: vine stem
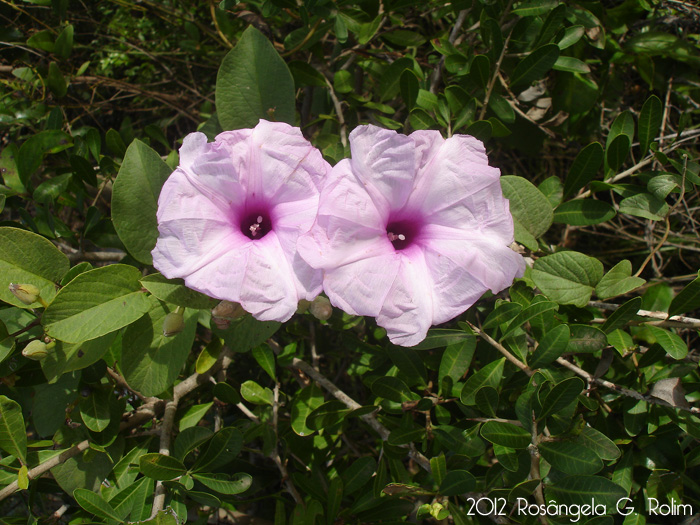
pixel 622 390
pixel 498 346
pixel 678 321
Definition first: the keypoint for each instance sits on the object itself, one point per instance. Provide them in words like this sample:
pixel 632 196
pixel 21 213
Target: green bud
pixel 228 310
pixel 173 323
pixel 36 350
pixel 303 306
pixel 321 308
pixel 27 293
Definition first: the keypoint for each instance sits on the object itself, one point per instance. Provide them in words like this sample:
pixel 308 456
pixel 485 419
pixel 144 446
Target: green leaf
pixel 567 277
pixel 571 35
pixel 161 467
pixel 28 258
pixel 457 482
pixel 505 434
pixel 572 65
pixel 644 205
pixel 570 458
pixel 342 81
pixel 135 199
pixel 531 210
pixel 441 337
pixel 358 474
pixel 189 439
pixel 23 478
pixel 502 108
pixel 410 365
pixel 649 123
pixel 95 504
pixel 151 361
pixel 617 152
pixel 56 81
pixel 529 313
pixel 620 341
pixel 480 70
pixel 32 151
pixel 580 490
pixel 599 443
pixel 390 82
pixel 306 75
pixel 486 400
pixel 254 83
pixel 256 394
pixel 226 393
pixel 94 410
pixel 624 314
pixel 535 7
pixel 96 303
pixel 456 359
pixel 584 212
pixel 551 25
pixel 404 38
pixel 561 396
pixel 64 42
pixel 221 449
pixel 618 281
pixel 489 375
pixel 304 402
pixel 247 332
pixel 193 415
pixel 408 85
pixel 534 66
pixel 115 143
pixel 687 300
pixel 438 468
pixel 175 292
pixel 13 436
pixel 393 389
pixel 224 484
pixel 327 414
pixel 584 168
pixel 585 338
pixel 403 436
pixel 672 343
pixel 266 359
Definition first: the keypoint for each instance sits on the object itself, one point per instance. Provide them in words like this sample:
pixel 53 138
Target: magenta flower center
pixel 402 233
pixel 256 225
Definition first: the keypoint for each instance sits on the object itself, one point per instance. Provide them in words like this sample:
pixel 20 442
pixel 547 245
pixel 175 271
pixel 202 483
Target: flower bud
pixel 321 308
pixel 303 306
pixel 27 293
pixel 36 350
pixel 228 310
pixel 173 323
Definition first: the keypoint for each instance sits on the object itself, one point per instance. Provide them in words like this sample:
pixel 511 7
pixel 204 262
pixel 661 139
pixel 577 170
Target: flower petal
pixel 360 288
pixel 384 162
pixel 407 312
pixel 284 166
pixel 348 226
pixel 193 229
pixel 267 290
pixel 492 264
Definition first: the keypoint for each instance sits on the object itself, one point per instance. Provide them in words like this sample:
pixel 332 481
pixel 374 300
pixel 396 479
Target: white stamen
pixel 254 229
pixel 402 237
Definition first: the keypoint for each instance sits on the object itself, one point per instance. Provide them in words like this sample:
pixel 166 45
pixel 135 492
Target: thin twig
pixel 437 73
pixel 680 320
pixel 498 346
pixel 339 114
pixel 622 390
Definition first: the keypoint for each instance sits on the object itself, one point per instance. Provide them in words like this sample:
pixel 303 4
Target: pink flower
pixel 229 217
pixel 412 230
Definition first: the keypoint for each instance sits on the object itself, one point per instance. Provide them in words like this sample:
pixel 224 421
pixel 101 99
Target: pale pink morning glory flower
pixel 412 230
pixel 229 217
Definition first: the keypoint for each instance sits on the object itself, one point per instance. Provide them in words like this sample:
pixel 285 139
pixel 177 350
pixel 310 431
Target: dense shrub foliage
pixel 571 396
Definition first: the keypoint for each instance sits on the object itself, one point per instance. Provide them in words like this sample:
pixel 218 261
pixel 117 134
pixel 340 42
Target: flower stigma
pixel 255 226
pixel 402 233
